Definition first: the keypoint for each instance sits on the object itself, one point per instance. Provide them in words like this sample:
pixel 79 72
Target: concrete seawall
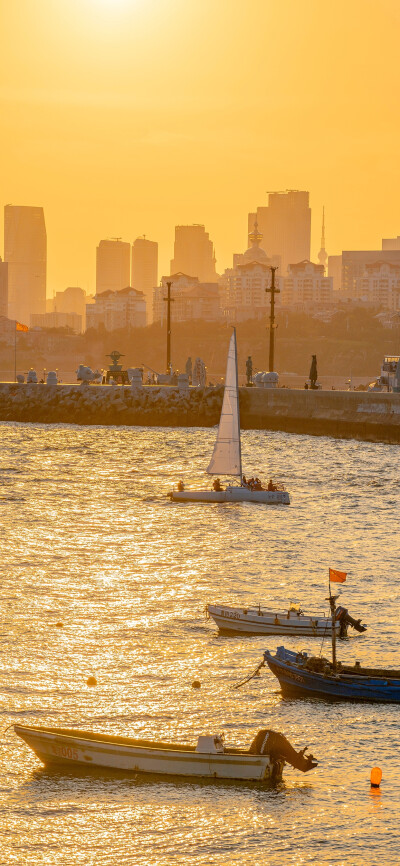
pixel 342 414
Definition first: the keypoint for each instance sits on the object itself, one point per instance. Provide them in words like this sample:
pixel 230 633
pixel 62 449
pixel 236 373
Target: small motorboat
pixel 70 748
pixel 226 459
pixel 313 676
pixel 241 620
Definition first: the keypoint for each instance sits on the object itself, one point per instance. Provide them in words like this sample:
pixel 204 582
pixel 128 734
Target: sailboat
pixel 227 455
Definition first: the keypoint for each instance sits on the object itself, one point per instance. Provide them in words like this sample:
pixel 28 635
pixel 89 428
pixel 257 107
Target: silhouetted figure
pixel 313 372
pixel 217 485
pixel 180 486
pixel 188 369
pixel 249 370
pixel 271 485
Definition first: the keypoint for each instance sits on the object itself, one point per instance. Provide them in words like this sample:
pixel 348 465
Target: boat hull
pixel 235 620
pixel 296 681
pixel 70 749
pixel 232 494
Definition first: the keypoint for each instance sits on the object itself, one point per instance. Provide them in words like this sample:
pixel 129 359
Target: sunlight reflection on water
pixel 89 539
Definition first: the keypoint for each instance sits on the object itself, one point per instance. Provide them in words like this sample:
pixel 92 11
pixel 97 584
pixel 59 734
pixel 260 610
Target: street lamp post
pixel 169 300
pixel 273 290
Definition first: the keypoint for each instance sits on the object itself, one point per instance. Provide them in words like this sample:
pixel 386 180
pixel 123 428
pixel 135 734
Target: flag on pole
pixel 20 327
pixel 337 576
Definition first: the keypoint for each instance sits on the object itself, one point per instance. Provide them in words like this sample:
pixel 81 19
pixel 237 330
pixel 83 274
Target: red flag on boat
pixel 337 576
pixel 20 327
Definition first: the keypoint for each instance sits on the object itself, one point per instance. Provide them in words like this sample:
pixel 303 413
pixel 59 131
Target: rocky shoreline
pixel 341 414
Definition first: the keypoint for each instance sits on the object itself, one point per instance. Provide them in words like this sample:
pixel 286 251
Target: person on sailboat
pixel 180 486
pixel 217 486
pixel 271 485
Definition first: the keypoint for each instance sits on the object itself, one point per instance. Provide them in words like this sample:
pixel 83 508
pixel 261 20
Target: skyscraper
pixel 3 288
pixel 145 270
pixel 194 253
pixel 286 226
pixel 25 251
pixel 113 265
pixel 323 255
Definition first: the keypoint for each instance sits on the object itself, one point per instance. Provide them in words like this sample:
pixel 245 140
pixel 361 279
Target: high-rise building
pixel 335 271
pixel 354 263
pixel 191 300
pixel 3 288
pixel 125 308
pixel 391 243
pixel 25 251
pixel 145 270
pixel 194 253
pixel 113 265
pixel 243 287
pixel 305 287
pixel 285 225
pixel 72 300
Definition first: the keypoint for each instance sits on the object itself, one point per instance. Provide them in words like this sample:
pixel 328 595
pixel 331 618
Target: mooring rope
pixel 254 674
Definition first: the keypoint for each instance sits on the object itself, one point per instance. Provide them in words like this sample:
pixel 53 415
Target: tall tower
pixel 194 254
pixel 25 251
pixel 113 265
pixel 145 270
pixel 322 255
pixel 285 225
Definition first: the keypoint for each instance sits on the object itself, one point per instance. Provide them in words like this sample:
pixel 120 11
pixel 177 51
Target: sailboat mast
pixel 238 410
pixel 332 599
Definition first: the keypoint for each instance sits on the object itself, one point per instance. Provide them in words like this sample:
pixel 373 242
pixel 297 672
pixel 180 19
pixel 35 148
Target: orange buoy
pixel 196 684
pixel 91 681
pixel 59 624
pixel 376 777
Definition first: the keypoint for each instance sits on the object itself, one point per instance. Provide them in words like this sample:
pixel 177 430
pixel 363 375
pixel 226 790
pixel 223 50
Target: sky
pixel 128 117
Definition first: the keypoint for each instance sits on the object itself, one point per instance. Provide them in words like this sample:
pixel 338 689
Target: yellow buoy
pixel 91 681
pixel 59 624
pixel 376 777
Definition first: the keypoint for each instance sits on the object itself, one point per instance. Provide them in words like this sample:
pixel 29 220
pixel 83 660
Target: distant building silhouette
pixel 145 270
pixel 242 287
pixel 3 288
pixel 354 263
pixel 191 300
pixel 25 251
pixel 114 310
pixel 305 287
pixel 391 243
pixel 322 255
pixel 286 226
pixel 57 320
pixel 335 271
pixel 72 300
pixel 113 265
pixel 194 253
pixel 380 285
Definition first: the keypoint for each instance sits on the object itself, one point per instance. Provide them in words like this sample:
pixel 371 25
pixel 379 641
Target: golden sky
pixel 124 117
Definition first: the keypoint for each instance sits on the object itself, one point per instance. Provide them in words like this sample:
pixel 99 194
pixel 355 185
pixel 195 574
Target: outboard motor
pixel 343 616
pixel 272 743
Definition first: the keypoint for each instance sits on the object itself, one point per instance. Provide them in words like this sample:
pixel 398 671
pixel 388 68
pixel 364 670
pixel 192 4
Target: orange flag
pixel 337 576
pixel 20 327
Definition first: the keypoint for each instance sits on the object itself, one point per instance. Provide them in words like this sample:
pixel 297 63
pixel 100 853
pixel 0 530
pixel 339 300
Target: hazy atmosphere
pixel 128 117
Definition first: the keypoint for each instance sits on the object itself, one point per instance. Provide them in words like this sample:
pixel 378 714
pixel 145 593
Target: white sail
pixel 226 458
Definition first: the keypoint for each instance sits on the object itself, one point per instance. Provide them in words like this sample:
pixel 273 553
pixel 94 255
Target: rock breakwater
pixel 341 414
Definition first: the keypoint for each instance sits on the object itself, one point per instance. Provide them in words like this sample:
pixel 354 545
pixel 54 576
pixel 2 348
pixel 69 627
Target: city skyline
pixel 141 149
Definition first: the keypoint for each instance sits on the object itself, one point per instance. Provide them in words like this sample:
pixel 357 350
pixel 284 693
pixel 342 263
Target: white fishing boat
pixel 241 620
pixel 226 459
pixel 70 748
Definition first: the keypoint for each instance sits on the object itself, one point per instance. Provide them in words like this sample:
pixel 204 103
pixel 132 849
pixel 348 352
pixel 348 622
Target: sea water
pixel 89 539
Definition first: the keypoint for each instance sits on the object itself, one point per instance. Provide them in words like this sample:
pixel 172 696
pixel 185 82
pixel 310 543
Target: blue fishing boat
pixel 301 675
pixel 310 676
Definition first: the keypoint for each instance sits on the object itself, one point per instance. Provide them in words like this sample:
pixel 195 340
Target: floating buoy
pixel 196 684
pixel 376 777
pixel 91 681
pixel 59 624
